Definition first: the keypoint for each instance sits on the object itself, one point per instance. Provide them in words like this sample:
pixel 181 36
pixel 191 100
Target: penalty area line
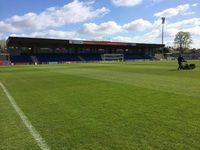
pixel 38 138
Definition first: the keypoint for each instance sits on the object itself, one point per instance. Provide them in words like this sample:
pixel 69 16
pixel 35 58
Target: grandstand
pixel 40 50
pixel 186 55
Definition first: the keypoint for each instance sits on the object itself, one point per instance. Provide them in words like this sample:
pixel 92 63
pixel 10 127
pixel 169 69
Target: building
pixel 42 50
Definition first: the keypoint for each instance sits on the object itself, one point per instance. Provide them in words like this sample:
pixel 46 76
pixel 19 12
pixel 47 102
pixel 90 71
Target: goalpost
pixel 112 57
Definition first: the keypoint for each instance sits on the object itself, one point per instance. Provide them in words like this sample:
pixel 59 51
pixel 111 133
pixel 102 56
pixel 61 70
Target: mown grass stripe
pixel 38 138
pixel 144 80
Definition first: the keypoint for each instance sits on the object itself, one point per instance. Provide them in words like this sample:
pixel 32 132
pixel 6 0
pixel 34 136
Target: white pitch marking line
pixel 40 141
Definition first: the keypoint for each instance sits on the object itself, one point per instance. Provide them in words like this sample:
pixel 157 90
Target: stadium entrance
pixel 40 50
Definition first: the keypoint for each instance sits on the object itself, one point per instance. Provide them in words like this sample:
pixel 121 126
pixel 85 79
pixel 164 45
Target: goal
pixel 112 57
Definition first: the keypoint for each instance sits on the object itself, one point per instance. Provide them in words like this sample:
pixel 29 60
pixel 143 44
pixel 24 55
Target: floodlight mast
pixel 163 23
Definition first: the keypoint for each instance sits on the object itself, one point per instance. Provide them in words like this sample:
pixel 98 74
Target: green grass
pixel 102 106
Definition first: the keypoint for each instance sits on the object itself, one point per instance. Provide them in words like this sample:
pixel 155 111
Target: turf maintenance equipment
pixel 187 66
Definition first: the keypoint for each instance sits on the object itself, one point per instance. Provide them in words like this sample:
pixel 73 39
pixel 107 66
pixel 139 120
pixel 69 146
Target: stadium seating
pixel 91 57
pixel 45 58
pixel 132 57
pixel 148 57
pixel 187 56
pixel 136 57
pixel 56 57
pixel 21 59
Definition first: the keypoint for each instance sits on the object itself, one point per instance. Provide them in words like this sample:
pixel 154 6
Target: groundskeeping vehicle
pixel 187 66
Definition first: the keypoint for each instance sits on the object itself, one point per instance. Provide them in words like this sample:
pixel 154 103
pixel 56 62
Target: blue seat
pixel 91 57
pixel 21 59
pixel 57 57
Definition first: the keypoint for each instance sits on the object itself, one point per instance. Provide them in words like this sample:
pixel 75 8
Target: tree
pixel 2 45
pixel 183 40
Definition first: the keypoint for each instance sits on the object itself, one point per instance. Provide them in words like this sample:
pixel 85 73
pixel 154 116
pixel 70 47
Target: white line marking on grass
pixel 40 141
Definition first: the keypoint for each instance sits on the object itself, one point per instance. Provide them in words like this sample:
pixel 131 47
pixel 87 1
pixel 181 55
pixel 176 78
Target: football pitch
pixel 100 106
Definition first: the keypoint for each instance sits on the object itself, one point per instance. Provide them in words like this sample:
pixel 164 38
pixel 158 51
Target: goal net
pixel 112 57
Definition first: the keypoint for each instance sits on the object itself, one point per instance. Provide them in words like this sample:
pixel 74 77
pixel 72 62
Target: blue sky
pixel 114 20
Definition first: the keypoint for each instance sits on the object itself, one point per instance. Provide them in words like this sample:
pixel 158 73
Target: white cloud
pixel 106 28
pixel 170 12
pixel 134 39
pixel 127 3
pixel 138 25
pixel 154 36
pixel 113 31
pixel 151 37
pixel 195 4
pixel 185 23
pixel 195 31
pixel 7 27
pixel 122 39
pixel 1 36
pixel 94 31
pixel 189 13
pixel 111 27
pixel 51 34
pixel 189 25
pixel 196 43
pixel 73 12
